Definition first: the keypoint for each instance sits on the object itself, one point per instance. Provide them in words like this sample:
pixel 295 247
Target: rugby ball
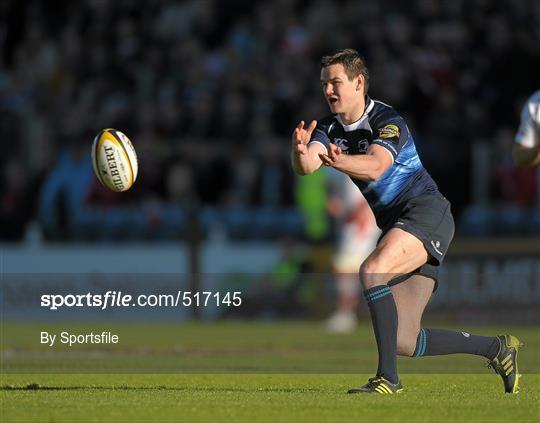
pixel 114 160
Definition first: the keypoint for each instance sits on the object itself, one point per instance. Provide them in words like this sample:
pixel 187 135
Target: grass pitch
pixel 237 371
pixel 290 397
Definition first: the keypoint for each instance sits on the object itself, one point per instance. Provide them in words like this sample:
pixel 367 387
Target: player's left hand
pixel 334 156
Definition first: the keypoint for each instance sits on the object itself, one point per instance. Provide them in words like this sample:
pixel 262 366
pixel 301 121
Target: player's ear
pixel 359 82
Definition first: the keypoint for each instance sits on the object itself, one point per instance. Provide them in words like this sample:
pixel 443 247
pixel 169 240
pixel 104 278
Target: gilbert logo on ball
pixel 114 160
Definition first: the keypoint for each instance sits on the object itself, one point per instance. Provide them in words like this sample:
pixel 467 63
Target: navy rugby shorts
pixel 428 218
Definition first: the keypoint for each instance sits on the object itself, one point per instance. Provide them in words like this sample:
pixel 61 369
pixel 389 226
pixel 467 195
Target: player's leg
pixel 411 298
pixel 422 233
pixel 398 252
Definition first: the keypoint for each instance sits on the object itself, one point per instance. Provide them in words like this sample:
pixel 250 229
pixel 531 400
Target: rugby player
pixel 369 141
pixel 526 150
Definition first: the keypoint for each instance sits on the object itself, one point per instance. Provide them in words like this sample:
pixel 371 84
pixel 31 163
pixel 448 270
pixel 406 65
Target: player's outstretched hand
pixel 333 157
pixel 301 136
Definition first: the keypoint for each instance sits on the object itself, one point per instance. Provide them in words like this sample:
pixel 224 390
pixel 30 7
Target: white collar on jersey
pixel 360 122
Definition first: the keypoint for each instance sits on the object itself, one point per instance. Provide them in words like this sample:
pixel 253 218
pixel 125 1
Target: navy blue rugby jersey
pixel 380 125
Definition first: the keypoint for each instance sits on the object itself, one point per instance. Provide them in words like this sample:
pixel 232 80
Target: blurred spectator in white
pixel 357 235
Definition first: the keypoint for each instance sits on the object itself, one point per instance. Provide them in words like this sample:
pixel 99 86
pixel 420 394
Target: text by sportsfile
pixel 120 299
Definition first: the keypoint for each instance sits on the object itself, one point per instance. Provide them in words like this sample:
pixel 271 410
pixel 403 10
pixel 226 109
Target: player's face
pixel 340 92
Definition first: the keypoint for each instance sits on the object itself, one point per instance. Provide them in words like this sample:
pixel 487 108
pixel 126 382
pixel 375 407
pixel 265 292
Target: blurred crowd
pixel 209 92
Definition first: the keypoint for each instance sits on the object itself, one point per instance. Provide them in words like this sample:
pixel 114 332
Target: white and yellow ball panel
pixel 114 160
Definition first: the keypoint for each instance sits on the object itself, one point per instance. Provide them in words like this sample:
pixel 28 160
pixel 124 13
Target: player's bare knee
pixel 372 274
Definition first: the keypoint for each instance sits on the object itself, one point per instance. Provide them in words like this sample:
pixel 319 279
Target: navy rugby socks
pixel 385 321
pixel 442 342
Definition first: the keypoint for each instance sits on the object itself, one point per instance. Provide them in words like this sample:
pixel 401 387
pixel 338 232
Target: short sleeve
pixel 392 135
pixel 320 134
pixel 320 137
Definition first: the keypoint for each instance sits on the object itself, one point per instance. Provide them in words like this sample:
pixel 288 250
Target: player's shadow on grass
pixel 37 387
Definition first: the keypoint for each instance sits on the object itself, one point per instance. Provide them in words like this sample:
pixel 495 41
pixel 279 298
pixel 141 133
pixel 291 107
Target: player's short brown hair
pixel 352 62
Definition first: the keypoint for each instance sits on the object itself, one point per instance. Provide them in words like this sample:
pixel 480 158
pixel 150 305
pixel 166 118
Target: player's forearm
pixel 524 156
pixel 303 164
pixel 364 167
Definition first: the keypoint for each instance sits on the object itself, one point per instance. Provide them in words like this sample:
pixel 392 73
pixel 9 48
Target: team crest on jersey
pixel 363 146
pixel 389 132
pixel 341 143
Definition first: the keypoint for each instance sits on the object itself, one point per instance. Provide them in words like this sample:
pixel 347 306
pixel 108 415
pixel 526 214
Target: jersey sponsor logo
pixel 390 132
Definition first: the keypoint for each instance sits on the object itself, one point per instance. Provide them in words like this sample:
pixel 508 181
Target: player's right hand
pixel 301 137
